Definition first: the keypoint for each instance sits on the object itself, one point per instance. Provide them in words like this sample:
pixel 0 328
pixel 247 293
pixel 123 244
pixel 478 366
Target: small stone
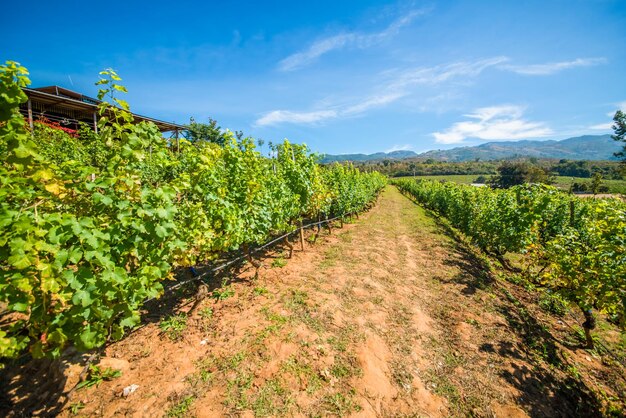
pixel 203 342
pixel 129 389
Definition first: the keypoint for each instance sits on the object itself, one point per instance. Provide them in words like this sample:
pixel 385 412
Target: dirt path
pixel 388 316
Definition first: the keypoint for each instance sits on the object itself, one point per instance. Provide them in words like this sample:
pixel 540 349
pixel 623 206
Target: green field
pixel 457 178
pixel 615 186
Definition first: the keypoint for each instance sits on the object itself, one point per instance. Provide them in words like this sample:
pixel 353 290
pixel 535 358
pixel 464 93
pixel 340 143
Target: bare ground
pixel 392 315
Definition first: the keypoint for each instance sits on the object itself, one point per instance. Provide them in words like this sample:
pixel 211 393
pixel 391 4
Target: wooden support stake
pixel 301 235
pixel 95 122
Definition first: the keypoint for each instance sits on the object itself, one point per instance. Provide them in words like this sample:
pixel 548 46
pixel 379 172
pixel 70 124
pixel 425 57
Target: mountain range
pixel 587 147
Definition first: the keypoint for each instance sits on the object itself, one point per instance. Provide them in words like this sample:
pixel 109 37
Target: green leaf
pixel 82 297
pixel 19 261
pixel 130 321
pixel 75 255
pixel 89 338
pixel 20 307
pixel 160 231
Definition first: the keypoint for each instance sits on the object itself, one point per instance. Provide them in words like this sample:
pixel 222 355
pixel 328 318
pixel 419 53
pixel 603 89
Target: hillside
pixel 587 147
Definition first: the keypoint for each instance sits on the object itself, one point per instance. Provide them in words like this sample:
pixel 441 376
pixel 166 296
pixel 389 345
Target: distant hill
pixel 587 147
pixel 394 155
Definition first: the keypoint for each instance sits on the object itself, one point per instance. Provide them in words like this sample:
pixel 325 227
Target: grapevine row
pixel 90 226
pixel 574 247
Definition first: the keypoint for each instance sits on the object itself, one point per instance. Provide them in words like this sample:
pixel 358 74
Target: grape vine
pixel 575 247
pixel 91 224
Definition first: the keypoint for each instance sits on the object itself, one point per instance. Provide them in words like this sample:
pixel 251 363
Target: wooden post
pixel 177 141
pixel 95 122
pixel 30 115
pixel 301 235
pixel 571 213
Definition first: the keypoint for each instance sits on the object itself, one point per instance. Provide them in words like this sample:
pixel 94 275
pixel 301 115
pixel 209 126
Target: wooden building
pixel 69 108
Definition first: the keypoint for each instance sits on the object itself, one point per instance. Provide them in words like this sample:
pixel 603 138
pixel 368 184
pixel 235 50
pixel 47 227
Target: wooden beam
pixel 95 123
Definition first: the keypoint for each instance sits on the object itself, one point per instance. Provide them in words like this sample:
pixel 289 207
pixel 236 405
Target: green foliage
pixel 90 226
pixel 279 262
pixel 76 407
pixel 79 253
pixel 224 292
pixel 553 303
pixel 596 183
pixel 174 326
pixel 206 313
pixel 515 173
pixel 208 132
pixel 260 290
pixel 98 375
pixel 610 170
pixel 619 128
pixel 180 409
pixel 578 246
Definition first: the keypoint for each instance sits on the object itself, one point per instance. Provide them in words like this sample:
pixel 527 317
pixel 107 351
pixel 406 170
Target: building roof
pixel 59 98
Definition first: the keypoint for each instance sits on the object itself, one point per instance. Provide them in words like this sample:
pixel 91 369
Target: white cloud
pixel 553 67
pixel 602 126
pixel 377 100
pixel 398 85
pixel 609 125
pixel 285 116
pixel 442 73
pixel 354 39
pixel 319 48
pixel 618 106
pixel 402 83
pixel 493 123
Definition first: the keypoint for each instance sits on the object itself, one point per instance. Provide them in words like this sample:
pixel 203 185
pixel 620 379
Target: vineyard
pixel 442 299
pixel 574 247
pixel 92 224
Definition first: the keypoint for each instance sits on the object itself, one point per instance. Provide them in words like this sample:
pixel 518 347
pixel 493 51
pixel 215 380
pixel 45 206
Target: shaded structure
pixel 70 108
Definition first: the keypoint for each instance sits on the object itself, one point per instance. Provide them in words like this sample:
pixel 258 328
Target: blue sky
pixel 342 76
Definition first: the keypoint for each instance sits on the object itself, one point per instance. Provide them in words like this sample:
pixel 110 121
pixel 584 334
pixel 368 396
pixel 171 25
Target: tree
pixel 209 132
pixel 596 182
pixel 513 173
pixel 619 126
